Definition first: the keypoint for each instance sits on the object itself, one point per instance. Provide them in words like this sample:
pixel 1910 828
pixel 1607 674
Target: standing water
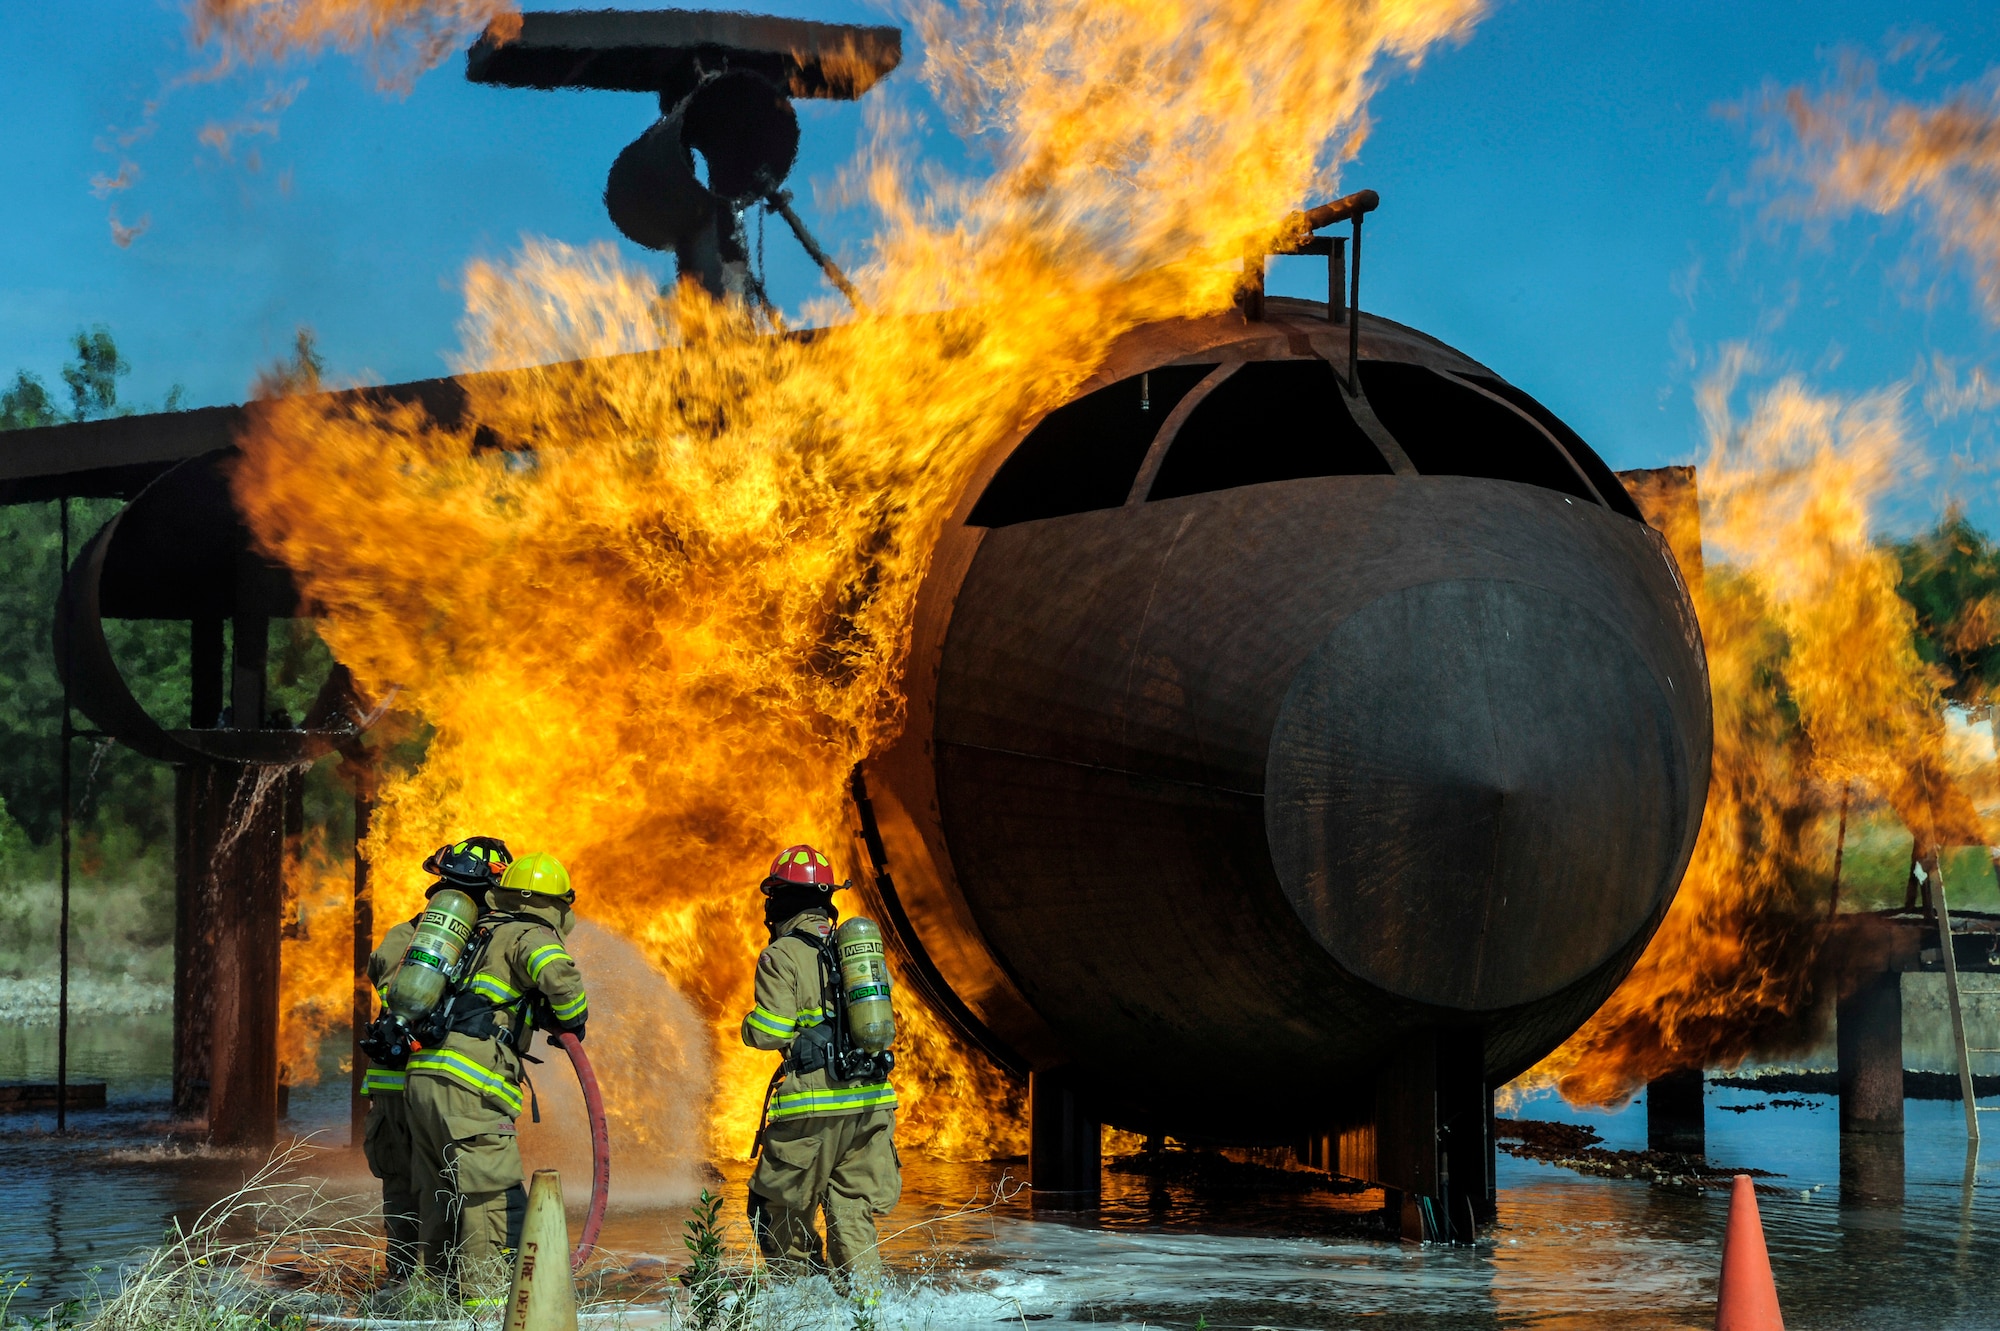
pixel 1569 1250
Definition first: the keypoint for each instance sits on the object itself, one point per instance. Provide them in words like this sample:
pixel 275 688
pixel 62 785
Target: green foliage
pixel 121 804
pixel 93 376
pixel 298 373
pixel 115 786
pixel 1951 578
pixel 707 1282
pixel 27 404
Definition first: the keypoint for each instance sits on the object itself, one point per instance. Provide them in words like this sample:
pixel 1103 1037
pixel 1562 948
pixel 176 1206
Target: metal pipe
pixel 1341 209
pixel 1336 280
pixel 1839 852
pixel 62 944
pixel 1354 295
pixel 1941 911
pixel 780 202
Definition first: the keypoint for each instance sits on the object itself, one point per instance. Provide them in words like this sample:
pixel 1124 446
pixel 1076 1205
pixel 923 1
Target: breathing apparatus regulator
pixel 854 965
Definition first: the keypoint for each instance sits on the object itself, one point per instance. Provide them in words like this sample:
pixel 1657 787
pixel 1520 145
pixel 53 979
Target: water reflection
pixel 1881 1233
pixel 1871 1169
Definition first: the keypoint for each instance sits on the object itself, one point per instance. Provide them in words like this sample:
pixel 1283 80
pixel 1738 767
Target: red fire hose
pixel 600 1149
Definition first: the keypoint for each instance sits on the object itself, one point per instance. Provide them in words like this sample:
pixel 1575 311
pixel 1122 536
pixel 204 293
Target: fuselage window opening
pixel 1452 429
pixel 1085 454
pixel 1601 475
pixel 1279 420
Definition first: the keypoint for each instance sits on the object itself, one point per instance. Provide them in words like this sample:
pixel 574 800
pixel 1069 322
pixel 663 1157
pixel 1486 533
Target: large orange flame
pixel 1817 687
pixel 652 591
pixel 316 955
pixel 1817 683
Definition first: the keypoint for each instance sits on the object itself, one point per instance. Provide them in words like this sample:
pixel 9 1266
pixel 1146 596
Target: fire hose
pixel 600 1149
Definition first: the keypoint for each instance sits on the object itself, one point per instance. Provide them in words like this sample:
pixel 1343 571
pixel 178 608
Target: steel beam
pixel 1676 1118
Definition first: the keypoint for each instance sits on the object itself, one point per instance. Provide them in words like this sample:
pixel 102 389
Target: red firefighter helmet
pixel 799 866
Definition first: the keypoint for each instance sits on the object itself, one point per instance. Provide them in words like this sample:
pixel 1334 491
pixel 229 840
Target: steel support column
pixel 1065 1144
pixel 1434 1136
pixel 1870 1038
pixel 1676 1118
pixel 229 905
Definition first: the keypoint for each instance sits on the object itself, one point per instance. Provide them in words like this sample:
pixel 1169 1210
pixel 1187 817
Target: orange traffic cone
pixel 1748 1298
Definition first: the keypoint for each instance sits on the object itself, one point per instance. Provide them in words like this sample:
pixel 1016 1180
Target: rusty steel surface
pixel 179 551
pixel 1259 781
pixel 665 51
pixel 229 896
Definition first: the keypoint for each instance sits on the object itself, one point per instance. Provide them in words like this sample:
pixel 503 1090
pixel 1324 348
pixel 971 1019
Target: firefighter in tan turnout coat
pixel 465 1093
pixel 385 1139
pixel 829 1143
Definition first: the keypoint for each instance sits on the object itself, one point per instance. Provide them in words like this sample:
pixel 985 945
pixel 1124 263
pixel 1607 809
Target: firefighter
pixel 471 866
pixel 829 1143
pixel 464 1093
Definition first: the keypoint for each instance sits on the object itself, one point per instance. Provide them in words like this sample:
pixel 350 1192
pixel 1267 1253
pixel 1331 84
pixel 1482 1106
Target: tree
pixel 27 404
pixel 93 376
pixel 115 788
pixel 298 373
pixel 1951 578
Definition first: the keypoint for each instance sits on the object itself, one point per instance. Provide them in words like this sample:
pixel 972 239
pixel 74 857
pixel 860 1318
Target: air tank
pixel 440 939
pixel 1269 721
pixel 864 983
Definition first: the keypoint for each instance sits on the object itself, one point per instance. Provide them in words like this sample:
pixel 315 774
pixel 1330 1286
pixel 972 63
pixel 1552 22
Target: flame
pixel 316 955
pixel 1858 147
pixel 1817 687
pixel 652 590
pixel 403 38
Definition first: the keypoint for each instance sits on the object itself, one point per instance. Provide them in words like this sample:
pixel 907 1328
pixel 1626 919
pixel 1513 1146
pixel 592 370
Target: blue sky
pixel 1564 197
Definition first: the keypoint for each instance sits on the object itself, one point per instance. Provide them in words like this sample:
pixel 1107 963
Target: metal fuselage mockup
pixel 1257 729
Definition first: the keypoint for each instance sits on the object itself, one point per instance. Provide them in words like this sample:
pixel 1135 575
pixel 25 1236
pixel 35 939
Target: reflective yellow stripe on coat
pixel 773 1025
pixel 450 1063
pixel 495 988
pixel 834 1100
pixel 382 1081
pixel 539 959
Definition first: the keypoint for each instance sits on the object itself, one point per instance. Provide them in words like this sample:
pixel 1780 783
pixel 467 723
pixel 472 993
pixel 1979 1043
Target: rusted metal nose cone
pixel 1451 792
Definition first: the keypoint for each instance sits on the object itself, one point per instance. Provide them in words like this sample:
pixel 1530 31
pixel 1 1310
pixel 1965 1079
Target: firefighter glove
pixel 812 1049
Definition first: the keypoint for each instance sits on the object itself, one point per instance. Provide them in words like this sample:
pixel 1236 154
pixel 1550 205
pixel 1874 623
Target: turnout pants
pixel 385 1142
pixel 844 1164
pixel 467 1168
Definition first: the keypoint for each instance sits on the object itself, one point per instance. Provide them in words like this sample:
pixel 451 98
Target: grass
pixel 281 1254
